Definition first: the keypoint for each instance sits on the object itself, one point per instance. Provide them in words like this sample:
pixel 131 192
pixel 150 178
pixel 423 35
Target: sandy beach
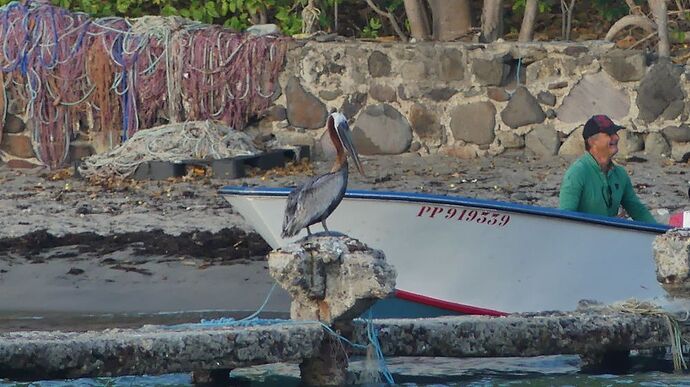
pixel 69 247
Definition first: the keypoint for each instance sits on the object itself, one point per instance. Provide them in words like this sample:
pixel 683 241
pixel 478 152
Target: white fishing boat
pixel 470 256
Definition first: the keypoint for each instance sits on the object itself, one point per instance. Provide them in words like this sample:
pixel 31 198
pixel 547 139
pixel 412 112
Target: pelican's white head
pixel 343 130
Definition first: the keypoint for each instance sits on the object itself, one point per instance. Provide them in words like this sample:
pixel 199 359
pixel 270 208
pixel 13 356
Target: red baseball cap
pixel 600 124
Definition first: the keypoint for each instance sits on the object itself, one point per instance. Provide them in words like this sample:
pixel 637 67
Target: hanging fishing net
pixel 103 80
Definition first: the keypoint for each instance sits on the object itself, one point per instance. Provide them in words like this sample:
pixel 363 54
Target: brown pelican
pixel 315 199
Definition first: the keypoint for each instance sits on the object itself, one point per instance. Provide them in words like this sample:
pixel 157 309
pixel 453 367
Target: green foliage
pixel 678 34
pixel 290 22
pixel 395 5
pixel 542 6
pixel 612 10
pixel 371 30
pixel 238 14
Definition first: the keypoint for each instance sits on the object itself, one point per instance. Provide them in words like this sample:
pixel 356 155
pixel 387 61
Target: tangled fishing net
pixel 172 142
pixel 105 79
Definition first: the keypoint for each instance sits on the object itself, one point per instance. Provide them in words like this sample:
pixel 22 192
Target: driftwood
pixel 681 8
pixel 630 20
pixel 657 27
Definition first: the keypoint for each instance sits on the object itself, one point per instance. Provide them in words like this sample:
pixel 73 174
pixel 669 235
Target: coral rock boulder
pixel 331 278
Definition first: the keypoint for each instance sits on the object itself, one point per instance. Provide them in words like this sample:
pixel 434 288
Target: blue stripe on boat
pixel 463 201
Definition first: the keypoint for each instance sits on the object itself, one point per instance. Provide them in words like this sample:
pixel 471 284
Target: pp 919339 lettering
pixel 479 216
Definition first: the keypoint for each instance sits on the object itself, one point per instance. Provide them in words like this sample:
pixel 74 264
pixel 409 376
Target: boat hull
pixel 482 257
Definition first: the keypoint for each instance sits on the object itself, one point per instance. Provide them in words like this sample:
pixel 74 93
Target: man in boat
pixel 593 183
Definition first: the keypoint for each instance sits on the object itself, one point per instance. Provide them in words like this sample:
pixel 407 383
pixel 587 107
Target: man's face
pixel 603 144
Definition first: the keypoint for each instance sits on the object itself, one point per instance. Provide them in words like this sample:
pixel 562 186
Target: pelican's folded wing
pixel 319 194
pixel 308 203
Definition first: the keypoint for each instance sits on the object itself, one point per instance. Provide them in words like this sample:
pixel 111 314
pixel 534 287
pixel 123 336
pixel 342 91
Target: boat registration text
pixel 486 217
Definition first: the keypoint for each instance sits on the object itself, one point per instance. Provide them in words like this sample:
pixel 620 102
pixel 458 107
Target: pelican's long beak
pixel 344 134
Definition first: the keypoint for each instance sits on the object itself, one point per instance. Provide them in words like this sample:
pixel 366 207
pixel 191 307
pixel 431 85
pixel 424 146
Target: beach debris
pixel 302 167
pixel 133 269
pixel 331 278
pixel 59 174
pixel 214 247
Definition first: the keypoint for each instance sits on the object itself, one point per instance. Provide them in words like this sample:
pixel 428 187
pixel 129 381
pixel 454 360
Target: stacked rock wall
pixel 470 100
pixel 461 99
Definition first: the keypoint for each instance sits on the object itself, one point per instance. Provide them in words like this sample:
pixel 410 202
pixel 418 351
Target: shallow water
pixel 411 372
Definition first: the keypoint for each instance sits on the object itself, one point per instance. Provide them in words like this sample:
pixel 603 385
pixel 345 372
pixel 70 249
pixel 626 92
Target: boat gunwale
pixel 413 197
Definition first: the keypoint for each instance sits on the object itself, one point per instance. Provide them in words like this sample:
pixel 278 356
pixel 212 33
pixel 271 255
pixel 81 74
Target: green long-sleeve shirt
pixel 585 188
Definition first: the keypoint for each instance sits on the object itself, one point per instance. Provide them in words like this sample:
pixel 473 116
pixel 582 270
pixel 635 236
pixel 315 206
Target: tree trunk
pixel 527 28
pixel 451 19
pixel 659 11
pixel 567 11
pixel 492 21
pixel 419 20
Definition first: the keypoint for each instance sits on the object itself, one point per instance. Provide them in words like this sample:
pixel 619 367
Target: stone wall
pixel 461 99
pixel 470 100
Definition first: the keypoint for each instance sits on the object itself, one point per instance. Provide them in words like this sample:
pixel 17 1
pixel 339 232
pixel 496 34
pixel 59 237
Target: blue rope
pixel 518 71
pixel 253 320
pixel 374 340
pixel 5 28
pixel 247 321
pixel 80 38
pixel 56 42
pixel 339 337
pixel 24 63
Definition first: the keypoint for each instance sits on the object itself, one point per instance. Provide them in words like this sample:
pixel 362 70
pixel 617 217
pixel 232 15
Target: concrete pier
pixel 519 335
pixel 152 350
pixel 159 350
